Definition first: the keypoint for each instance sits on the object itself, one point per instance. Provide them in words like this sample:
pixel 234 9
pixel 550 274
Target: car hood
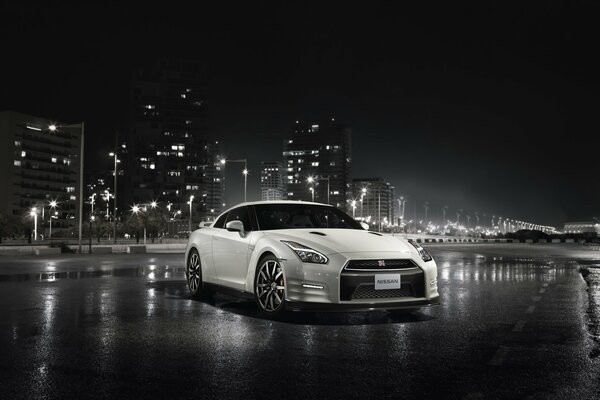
pixel 330 241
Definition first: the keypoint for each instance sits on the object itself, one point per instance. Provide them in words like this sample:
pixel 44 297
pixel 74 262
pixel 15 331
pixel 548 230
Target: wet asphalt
pixel 516 321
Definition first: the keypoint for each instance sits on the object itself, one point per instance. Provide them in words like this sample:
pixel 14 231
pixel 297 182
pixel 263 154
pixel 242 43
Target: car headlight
pixel 305 253
pixel 425 256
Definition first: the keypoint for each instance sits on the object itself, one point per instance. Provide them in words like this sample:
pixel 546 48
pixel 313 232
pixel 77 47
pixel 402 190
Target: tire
pixel 269 287
pixel 193 274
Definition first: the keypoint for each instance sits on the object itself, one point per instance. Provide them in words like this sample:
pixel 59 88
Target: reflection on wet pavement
pixel 131 330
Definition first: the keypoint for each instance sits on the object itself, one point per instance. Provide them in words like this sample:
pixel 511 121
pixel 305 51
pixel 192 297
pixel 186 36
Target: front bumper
pixel 316 286
pixel 356 307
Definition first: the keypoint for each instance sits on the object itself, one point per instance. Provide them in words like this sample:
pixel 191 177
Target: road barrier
pixel 136 249
pixel 102 250
pixel 45 251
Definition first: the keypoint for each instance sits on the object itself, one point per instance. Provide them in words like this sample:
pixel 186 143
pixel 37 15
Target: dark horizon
pixel 481 108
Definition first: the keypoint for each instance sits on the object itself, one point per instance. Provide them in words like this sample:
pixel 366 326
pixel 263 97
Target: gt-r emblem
pixel 381 263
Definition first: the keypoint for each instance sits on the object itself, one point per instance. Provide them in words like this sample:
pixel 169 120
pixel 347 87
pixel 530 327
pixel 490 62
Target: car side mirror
pixel 235 226
pixel 364 225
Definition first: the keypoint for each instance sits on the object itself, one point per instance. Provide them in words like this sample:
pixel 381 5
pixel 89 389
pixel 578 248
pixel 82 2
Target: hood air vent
pixel 318 233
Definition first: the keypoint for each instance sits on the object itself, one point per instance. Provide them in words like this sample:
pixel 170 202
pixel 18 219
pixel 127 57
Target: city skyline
pixel 449 118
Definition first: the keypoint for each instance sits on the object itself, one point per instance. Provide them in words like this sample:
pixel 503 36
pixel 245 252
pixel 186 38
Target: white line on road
pixel 542 290
pixel 519 326
pixel 537 298
pixel 530 309
pixel 498 358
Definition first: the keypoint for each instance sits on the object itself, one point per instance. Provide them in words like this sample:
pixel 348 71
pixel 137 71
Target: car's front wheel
pixel 193 273
pixel 269 287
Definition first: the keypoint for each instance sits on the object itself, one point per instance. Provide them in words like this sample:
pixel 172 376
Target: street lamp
pixel 136 209
pixel 312 193
pixel 116 160
pixel 245 172
pixel 190 203
pixel 55 216
pixel 81 125
pixel 362 195
pixel 34 213
pixel 312 179
pixel 53 204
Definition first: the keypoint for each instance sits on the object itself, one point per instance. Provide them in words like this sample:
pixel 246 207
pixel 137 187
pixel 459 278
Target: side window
pixel 240 214
pixel 221 221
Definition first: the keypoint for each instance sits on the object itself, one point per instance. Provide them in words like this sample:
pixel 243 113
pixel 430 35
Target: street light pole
pixel 244 172
pixel 115 195
pixel 81 161
pixel 190 222
pixel 33 213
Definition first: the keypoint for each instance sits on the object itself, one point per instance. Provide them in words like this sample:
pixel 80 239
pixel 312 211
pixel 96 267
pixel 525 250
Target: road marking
pixel 537 298
pixel 498 358
pixel 530 309
pixel 519 326
pixel 542 290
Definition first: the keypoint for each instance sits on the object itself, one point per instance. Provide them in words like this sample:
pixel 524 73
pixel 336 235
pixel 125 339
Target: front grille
pixel 357 265
pixel 360 285
pixel 369 292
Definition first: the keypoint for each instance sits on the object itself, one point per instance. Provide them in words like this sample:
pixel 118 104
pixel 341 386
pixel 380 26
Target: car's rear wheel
pixel 193 273
pixel 269 287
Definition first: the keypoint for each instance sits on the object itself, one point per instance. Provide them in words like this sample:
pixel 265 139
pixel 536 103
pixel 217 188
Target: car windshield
pixel 298 216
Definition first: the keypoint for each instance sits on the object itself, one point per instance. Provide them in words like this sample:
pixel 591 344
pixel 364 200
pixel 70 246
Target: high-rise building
pixel 38 166
pixel 374 199
pixel 317 162
pixel 169 156
pixel 271 180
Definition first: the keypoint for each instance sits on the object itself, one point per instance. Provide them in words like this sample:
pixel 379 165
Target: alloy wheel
pixel 270 286
pixel 193 272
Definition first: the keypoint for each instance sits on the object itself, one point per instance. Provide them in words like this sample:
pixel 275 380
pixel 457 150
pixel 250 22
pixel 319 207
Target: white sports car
pixel 291 255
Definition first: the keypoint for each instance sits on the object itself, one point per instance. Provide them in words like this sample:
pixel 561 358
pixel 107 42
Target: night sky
pixel 488 108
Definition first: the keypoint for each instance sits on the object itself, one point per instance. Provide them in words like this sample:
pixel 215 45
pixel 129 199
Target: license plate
pixel 387 281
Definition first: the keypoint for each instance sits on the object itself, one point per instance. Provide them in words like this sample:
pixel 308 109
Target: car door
pixel 231 250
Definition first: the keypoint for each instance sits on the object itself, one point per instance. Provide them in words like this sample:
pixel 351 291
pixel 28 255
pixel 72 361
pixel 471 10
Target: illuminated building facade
pixel 317 156
pixel 271 181
pixel 169 155
pixel 37 167
pixel 374 199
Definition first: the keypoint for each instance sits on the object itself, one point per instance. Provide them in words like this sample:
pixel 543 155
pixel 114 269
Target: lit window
pixel 158 153
pixel 70 189
pixel 17 163
pixel 315 164
pixel 54 160
pixel 66 161
pixel 150 106
pixel 152 166
pixel 23 154
pixel 188 90
pixel 183 96
pixel 17 143
pixel 188 122
pixel 72 197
